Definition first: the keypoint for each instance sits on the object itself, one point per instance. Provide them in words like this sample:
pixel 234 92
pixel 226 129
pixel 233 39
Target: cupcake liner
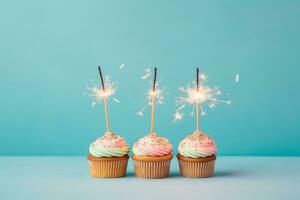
pixel 108 167
pixel 196 167
pixel 152 167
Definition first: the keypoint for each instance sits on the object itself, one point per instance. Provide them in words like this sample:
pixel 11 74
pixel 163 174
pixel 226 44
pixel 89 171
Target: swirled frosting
pixel 109 145
pixel 152 145
pixel 197 145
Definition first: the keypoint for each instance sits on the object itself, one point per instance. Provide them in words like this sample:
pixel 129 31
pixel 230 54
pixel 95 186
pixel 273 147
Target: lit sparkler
pixel 158 93
pixel 154 95
pixel 197 96
pixel 102 94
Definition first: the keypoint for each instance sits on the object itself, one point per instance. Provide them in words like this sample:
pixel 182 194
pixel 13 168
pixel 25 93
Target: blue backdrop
pixel 50 51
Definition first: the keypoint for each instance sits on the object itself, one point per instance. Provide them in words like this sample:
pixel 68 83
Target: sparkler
pixel 154 95
pixel 197 104
pixel 104 100
pixel 197 96
pixel 102 94
pixel 158 93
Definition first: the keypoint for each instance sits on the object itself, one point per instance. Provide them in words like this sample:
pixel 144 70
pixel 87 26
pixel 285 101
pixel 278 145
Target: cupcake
pixel 197 155
pixel 108 156
pixel 152 155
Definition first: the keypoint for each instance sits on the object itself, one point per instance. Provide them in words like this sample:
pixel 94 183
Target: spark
pixel 147 74
pixel 193 111
pixel 116 100
pixel 203 77
pixel 99 94
pixel 204 95
pixel 141 112
pixel 181 89
pixel 158 94
pixel 121 66
pixel 178 116
pixel 237 78
pixel 202 111
pixel 181 107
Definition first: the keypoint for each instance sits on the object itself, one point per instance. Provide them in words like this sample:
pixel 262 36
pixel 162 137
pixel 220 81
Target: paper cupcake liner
pixel 108 168
pixel 197 168
pixel 152 167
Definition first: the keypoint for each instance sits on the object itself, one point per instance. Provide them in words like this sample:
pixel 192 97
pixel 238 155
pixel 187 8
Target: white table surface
pixel 68 178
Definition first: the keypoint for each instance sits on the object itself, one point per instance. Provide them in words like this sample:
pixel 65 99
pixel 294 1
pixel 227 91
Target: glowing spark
pixel 237 78
pixel 202 112
pixel 204 95
pixel 203 78
pixel 181 89
pixel 99 94
pixel 144 77
pixel 181 107
pixel 140 113
pixel 178 116
pixel 193 111
pixel 147 74
pixel 116 100
pixel 121 66
pixel 158 94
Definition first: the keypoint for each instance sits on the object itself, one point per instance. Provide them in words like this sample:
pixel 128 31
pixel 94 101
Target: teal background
pixel 49 52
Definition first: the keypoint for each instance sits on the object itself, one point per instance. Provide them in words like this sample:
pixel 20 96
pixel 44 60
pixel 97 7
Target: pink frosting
pixel 110 139
pixel 197 145
pixel 152 145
